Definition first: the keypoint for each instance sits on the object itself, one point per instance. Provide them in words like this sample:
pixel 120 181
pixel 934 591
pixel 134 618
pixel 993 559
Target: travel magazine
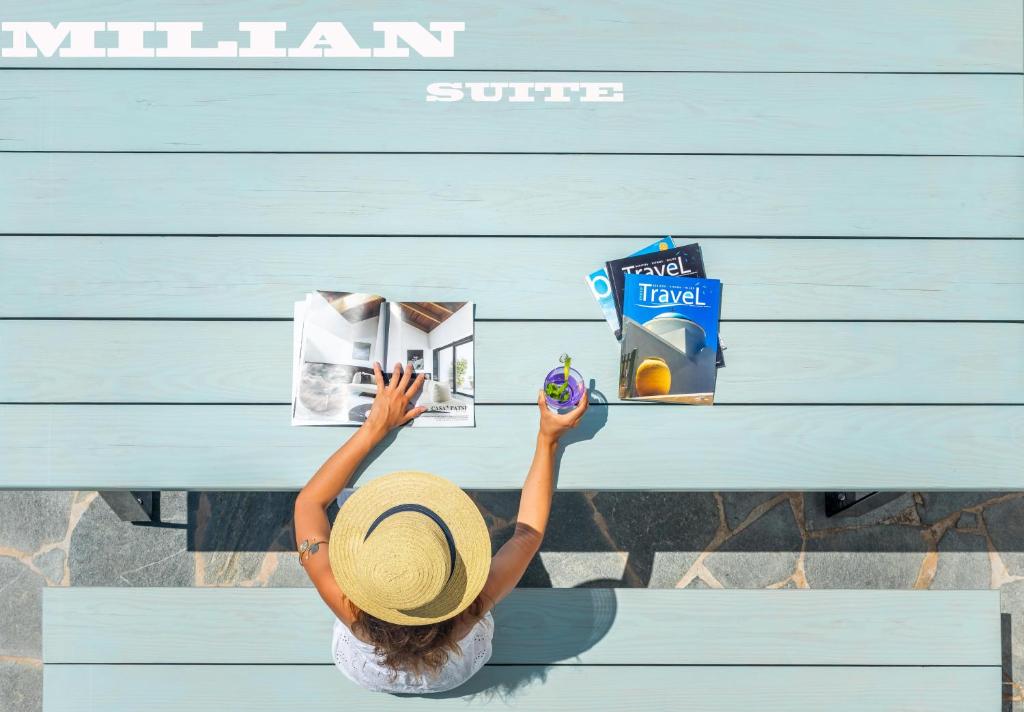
pixel 601 285
pixel 685 261
pixel 659 359
pixel 339 335
pixel 669 339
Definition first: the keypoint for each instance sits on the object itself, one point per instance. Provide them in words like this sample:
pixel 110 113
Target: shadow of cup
pixel 593 420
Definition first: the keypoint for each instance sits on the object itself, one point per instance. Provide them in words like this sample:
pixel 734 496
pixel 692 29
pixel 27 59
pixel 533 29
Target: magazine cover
pixel 339 335
pixel 601 286
pixel 685 261
pixel 669 339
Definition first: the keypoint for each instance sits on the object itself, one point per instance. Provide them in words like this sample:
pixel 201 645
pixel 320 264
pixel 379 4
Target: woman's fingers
pixel 540 399
pixel 582 405
pixel 378 377
pixel 579 410
pixel 403 384
pixel 396 374
pixel 415 387
pixel 574 416
pixel 418 410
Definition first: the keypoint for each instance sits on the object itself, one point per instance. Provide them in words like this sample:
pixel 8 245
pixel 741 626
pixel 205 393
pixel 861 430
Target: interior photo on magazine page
pixel 339 336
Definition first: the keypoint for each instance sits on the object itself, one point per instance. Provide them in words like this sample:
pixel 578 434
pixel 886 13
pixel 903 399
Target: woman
pixel 407 567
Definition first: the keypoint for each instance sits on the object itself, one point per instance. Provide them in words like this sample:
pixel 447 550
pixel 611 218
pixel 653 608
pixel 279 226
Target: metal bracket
pixel 853 504
pixel 132 505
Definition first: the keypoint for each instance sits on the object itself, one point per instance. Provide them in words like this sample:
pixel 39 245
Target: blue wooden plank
pixel 771 362
pixel 574 688
pixel 569 626
pixel 534 278
pixel 511 194
pixel 738 35
pixel 629 447
pixel 386 111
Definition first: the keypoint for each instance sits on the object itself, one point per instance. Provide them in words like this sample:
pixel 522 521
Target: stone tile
pixel 499 508
pixel 21 687
pixel 174 507
pixel 963 562
pixel 764 553
pixel 20 610
pixel 937 505
pixel 663 521
pixel 645 523
pixel 572 527
pixel 224 568
pixel 815 519
pixel 739 504
pixel 603 569
pixel 884 556
pixel 669 567
pixel 697 583
pixel 241 521
pixel 105 551
pixel 967 520
pixel 1005 524
pixel 32 519
pixel 289 572
pixel 51 564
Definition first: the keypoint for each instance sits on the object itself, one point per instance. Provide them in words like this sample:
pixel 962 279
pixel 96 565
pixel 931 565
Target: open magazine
pixel 339 335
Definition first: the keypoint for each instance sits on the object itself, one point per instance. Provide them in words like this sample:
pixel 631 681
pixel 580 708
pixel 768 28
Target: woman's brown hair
pixel 418 649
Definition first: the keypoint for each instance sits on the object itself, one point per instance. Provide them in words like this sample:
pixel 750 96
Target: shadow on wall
pixel 583 617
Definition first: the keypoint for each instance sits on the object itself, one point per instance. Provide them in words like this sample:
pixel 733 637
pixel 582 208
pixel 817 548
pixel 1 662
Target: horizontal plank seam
pixel 533 404
pixel 504 320
pixel 561 664
pixel 467 235
pixel 506 153
pixel 272 68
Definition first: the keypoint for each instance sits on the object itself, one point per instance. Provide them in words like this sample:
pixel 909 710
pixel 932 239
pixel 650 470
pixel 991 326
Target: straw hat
pixel 410 548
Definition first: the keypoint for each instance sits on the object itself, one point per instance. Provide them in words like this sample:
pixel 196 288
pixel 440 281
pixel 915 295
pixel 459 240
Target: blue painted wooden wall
pixel 853 171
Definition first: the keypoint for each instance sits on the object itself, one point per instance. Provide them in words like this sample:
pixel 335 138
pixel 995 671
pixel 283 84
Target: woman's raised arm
pixel 312 528
pixel 509 564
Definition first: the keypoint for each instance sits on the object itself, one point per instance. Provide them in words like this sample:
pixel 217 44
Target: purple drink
pixel 563 400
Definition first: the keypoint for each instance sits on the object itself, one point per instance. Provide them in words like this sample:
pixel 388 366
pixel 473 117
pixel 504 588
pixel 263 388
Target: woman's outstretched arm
pixel 390 410
pixel 509 564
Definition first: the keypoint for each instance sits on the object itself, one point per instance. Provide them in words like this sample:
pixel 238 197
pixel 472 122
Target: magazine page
pixel 669 339
pixel 437 338
pixel 339 337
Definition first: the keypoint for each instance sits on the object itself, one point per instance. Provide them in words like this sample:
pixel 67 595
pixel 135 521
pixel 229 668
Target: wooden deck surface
pixel 853 171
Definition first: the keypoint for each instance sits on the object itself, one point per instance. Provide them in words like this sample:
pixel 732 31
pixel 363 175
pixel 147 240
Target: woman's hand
pixel 391 404
pixel 554 425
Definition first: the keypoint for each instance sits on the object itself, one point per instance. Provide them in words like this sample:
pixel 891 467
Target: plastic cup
pixel 573 393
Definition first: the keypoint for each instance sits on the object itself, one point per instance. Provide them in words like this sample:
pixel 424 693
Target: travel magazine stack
pixel 664 310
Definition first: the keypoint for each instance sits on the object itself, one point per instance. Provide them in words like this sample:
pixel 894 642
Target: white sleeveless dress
pixel 359 663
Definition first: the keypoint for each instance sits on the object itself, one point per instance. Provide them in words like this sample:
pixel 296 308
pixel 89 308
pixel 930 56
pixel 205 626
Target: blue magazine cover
pixel 669 339
pixel 601 286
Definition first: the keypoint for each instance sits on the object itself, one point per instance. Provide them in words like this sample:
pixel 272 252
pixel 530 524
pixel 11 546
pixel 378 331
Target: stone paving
pixel 960 540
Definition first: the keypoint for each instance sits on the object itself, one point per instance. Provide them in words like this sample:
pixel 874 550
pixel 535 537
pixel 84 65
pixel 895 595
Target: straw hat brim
pixel 469 531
